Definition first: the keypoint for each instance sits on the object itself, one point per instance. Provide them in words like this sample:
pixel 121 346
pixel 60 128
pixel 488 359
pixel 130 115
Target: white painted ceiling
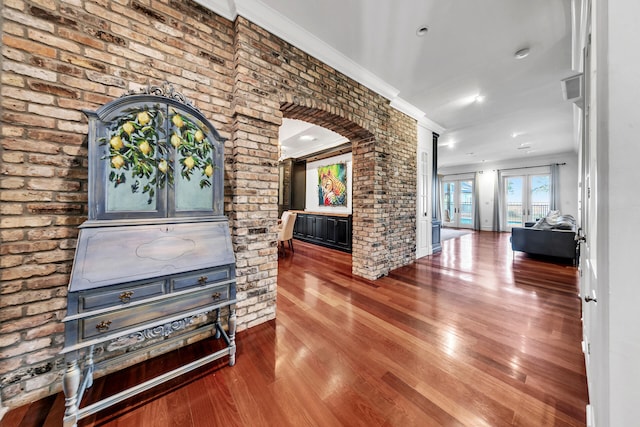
pixel 299 138
pixel 467 51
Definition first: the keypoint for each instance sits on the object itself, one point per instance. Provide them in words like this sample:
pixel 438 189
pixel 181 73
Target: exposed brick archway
pixel 367 253
pixel 329 117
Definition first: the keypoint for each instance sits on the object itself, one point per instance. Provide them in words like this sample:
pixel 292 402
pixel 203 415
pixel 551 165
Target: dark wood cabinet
pixel 333 231
pixel 298 184
pixel 292 185
pixel 339 231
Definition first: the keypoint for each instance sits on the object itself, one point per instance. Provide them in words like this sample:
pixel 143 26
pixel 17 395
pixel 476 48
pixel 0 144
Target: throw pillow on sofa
pixel 549 221
pixel 555 221
pixel 565 222
pixel 552 217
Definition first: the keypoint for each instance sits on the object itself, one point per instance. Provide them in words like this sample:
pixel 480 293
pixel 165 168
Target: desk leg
pixel 232 334
pixel 216 325
pixel 70 384
pixel 90 368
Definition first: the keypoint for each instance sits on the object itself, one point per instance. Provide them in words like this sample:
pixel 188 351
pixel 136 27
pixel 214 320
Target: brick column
pixel 253 172
pixel 370 215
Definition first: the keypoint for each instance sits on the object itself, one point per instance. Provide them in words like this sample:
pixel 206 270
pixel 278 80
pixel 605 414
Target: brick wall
pixel 59 57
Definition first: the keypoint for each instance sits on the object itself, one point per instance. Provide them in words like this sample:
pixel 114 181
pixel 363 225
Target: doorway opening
pixel 458 202
pixel 356 144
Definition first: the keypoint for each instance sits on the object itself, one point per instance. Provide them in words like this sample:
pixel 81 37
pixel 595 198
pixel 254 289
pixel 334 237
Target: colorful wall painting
pixel 332 185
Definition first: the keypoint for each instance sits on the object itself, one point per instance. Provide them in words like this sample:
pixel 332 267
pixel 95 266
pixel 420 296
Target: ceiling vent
pixel 572 89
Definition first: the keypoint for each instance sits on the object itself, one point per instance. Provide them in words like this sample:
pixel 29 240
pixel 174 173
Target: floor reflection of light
pixel 300 355
pixel 333 384
pixel 466 263
pixel 514 362
pixel 285 360
pixel 451 341
pixel 522 292
pixel 523 346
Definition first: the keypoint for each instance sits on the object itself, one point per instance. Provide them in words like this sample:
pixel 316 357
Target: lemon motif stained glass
pixel 148 148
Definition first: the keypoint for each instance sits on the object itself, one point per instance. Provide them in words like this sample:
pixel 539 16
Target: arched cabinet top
pixel 111 110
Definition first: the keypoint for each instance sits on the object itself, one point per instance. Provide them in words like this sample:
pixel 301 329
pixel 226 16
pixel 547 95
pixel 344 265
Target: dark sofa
pixel 555 237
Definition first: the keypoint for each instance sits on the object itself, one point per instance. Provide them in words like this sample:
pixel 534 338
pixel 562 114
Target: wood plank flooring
pixel 468 337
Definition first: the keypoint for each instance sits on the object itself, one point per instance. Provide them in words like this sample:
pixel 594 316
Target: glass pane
pixel 193 163
pixel 540 195
pixel 466 203
pixel 190 196
pixel 448 194
pixel 130 152
pixel 513 189
pixel 122 198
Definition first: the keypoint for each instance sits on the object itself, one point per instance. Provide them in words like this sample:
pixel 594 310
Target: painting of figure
pixel 332 185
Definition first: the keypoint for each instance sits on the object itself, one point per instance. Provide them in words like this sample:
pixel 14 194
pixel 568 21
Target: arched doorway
pixel 362 143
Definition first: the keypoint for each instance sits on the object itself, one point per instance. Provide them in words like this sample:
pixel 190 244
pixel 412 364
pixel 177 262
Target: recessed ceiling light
pixel 522 53
pixel 479 99
pixel 422 31
pixel 515 135
pixel 306 138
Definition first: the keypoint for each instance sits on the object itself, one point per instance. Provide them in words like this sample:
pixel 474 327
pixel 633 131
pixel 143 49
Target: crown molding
pixel 224 8
pixel 274 22
pixel 407 108
pixel 414 112
pixel 431 125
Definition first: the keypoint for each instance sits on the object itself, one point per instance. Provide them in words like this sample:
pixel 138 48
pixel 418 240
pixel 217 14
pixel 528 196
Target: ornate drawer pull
pixel 126 296
pixel 202 280
pixel 216 295
pixel 103 326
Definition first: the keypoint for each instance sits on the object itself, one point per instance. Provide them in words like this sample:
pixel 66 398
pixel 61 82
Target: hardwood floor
pixel 468 337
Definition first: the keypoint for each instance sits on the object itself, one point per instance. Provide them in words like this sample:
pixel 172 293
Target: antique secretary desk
pixel 154 260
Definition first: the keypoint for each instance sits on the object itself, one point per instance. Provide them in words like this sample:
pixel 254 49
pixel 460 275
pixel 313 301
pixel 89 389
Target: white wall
pixel 311 202
pixel 568 182
pixel 423 191
pixel 620 98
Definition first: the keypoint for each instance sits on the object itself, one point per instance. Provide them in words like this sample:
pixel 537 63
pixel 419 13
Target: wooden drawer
pixel 202 278
pixel 131 317
pixel 110 297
